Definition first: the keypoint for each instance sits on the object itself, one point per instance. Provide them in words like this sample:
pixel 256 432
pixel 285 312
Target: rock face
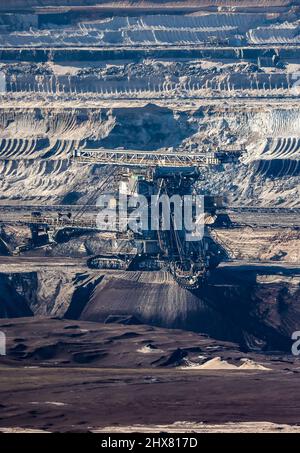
pixel 45 293
pixel 15 294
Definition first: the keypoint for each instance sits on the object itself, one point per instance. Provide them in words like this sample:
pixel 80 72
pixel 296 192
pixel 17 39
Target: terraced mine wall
pixel 36 147
pixel 141 5
pixel 151 86
pixel 79 54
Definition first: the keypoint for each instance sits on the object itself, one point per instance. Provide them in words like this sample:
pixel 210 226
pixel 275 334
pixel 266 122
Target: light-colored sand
pixel 187 427
pixel 61 69
pixel 51 403
pixel 251 365
pixel 183 427
pixel 218 364
pixel 214 364
pixel 19 430
pixel 147 349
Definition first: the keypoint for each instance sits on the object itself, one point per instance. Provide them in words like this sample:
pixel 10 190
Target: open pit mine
pixel 152 99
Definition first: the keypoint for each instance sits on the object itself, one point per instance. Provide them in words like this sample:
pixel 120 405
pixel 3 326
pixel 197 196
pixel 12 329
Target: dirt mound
pixel 251 365
pixel 218 364
pixel 152 299
pixel 214 364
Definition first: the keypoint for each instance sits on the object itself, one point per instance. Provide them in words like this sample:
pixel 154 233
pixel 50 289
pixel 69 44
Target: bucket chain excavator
pixel 156 174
